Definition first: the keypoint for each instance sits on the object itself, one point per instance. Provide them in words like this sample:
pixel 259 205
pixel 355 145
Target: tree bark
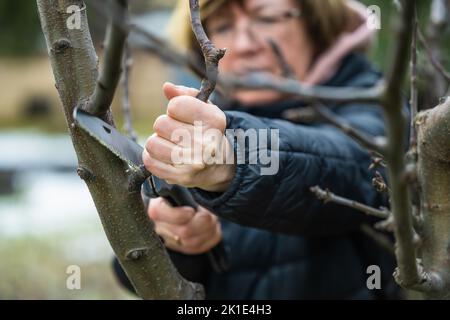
pixel 121 209
pixel 434 179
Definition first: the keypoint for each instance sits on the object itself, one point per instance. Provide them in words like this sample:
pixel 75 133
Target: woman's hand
pixel 189 147
pixel 183 229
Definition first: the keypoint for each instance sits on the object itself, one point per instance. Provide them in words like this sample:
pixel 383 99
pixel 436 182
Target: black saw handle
pixel 179 196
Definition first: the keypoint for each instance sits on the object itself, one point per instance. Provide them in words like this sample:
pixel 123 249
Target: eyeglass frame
pixel 277 19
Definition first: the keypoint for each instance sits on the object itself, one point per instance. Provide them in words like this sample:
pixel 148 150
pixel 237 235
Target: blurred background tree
pixel 19 28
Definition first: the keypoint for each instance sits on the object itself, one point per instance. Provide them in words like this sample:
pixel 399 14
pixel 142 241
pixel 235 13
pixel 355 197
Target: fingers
pixel 201 223
pixel 177 172
pixel 160 210
pixel 162 149
pixel 189 109
pixel 182 153
pixel 185 107
pixel 197 241
pixel 173 130
pixel 171 91
pixel 182 229
pixel 160 169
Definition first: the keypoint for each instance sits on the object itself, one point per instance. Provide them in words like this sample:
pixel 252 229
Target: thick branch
pixel 434 178
pixel 109 77
pixel 122 212
pixel 408 275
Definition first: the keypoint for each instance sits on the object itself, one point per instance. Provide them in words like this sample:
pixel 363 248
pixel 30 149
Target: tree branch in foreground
pixel 409 274
pixel 122 213
pixel 211 54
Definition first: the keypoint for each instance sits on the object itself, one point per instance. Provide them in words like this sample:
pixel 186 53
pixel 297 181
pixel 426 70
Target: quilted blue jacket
pixel 283 243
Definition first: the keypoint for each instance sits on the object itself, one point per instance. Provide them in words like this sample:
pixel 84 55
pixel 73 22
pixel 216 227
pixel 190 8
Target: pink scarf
pixel 359 36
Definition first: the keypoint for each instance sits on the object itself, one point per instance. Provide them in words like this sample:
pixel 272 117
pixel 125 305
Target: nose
pixel 245 41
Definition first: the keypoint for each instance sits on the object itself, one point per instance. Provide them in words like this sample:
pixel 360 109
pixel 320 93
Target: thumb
pixel 172 91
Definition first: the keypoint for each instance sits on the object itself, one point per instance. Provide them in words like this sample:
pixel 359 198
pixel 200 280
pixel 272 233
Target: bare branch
pixel 211 54
pixel 376 144
pixel 377 161
pixel 396 135
pixel 433 168
pixel 109 77
pixel 126 108
pixel 294 88
pixel 286 69
pixel 301 115
pixel 122 213
pixel 327 196
pixel 382 240
pixel 386 225
pixel 434 61
pixel 414 93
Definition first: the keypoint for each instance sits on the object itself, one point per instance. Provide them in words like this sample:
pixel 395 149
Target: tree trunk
pixel 122 212
pixel 434 178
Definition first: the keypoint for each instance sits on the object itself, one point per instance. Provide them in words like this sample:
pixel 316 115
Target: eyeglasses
pixel 264 25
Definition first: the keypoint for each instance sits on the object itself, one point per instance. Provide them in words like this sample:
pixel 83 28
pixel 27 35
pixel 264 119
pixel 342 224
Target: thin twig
pixel 373 144
pixel 211 54
pixel 286 70
pixel 327 196
pixel 109 77
pixel 381 239
pixel 306 114
pixel 414 93
pixel 434 61
pixel 126 108
pixel 377 161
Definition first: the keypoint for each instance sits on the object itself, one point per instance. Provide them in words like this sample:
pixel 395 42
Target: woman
pixel 282 242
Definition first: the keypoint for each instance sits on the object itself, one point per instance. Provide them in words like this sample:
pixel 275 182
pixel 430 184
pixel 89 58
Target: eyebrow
pixel 259 7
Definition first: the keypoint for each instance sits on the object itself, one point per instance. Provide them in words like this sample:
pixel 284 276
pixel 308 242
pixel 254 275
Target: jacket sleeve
pixel 307 156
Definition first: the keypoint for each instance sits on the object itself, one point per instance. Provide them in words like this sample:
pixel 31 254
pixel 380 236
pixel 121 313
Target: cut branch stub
pixel 211 54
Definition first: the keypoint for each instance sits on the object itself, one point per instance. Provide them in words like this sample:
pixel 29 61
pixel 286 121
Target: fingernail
pixel 180 87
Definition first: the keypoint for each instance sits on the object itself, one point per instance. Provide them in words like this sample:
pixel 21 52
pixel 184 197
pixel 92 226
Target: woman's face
pixel 245 31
